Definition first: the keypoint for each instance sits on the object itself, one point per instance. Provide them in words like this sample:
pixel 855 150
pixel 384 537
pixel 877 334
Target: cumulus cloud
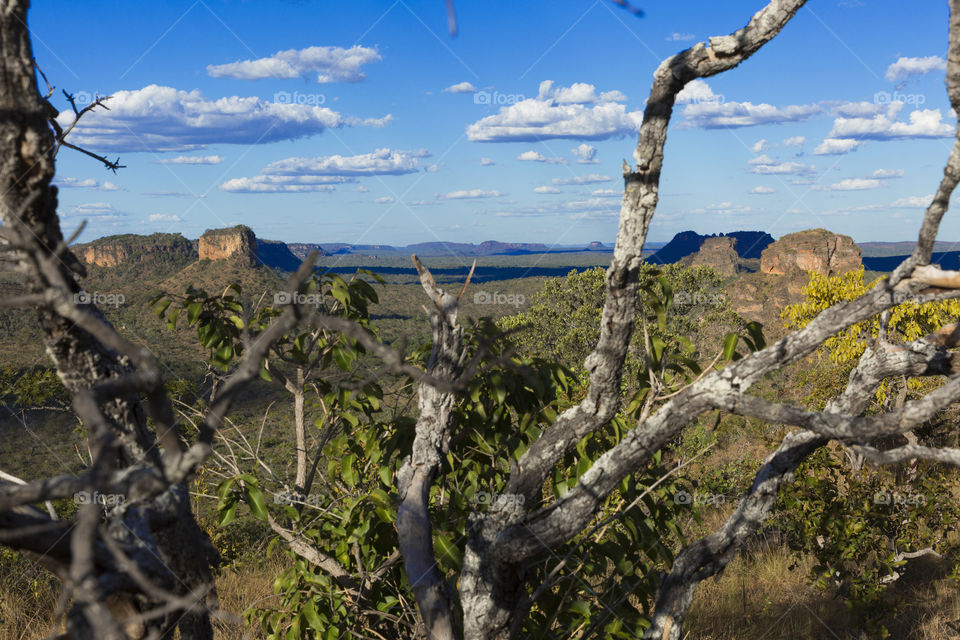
pixel 913 202
pixel 923 123
pixel 762 159
pixel 158 118
pixel 860 109
pixel 380 162
pixel 546 190
pixel 759 145
pixel 855 184
pixel 164 217
pixel 888 173
pixel 719 115
pixel 94 210
pixel 384 200
pixel 903 68
pixel 577 112
pixel 536 156
pixel 587 153
pixel 782 168
pixel 193 160
pixel 461 87
pixel 606 193
pixel 86 183
pixel 486 162
pixel 680 37
pixel 330 64
pixel 697 90
pixel 283 184
pixel 836 146
pixel 592 178
pixel 794 141
pixel 471 194
pixel 762 190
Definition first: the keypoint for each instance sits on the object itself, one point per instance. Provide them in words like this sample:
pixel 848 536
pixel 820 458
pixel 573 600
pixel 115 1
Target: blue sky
pixel 367 122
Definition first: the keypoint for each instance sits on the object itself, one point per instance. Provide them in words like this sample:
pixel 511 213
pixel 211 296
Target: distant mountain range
pixel 434 249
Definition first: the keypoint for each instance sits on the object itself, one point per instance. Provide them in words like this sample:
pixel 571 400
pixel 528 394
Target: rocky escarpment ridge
pixel 115 250
pixel 816 250
pixel 237 243
pixel 749 245
pixel 720 253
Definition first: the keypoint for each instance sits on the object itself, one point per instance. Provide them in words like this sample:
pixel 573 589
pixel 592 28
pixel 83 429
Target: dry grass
pixel 759 596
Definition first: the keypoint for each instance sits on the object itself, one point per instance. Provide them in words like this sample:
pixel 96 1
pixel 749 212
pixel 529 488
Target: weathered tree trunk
pixel 154 528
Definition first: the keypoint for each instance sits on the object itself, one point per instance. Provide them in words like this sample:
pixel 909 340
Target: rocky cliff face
pixel 116 250
pixel 815 250
pixel 720 253
pixel 238 243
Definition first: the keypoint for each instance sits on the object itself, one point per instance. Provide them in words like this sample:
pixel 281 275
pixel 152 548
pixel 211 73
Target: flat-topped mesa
pixel 237 243
pixel 719 252
pixel 816 250
pixel 116 250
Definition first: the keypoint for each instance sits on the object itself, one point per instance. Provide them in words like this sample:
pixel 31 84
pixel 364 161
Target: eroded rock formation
pixel 816 250
pixel 720 253
pixel 233 243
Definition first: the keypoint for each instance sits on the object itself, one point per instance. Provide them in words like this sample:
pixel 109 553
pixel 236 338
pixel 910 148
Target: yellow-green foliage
pixel 908 321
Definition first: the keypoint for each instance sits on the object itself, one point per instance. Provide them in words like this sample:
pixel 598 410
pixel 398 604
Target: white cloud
pixel 380 162
pixel 723 208
pixel 759 145
pixel 918 202
pixel 461 87
pixel 159 118
pixel 794 141
pixel 888 173
pixel 836 146
pixel 331 64
pixel 586 152
pixel 903 68
pixel 762 159
pixel 283 184
pixel 575 112
pixel 680 37
pixel 607 193
pixel 719 114
pixel 855 184
pixel 385 200
pixel 697 90
pixel 592 178
pixel 924 123
pixel 546 190
pixel 782 168
pixel 422 203
pixel 164 217
pixel 98 210
pixel 361 189
pixel 471 194
pixel 486 162
pixel 193 160
pixel 762 190
pixel 862 109
pixel 86 183
pixel 536 156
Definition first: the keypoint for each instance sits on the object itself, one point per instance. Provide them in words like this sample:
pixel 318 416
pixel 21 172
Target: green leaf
pixel 730 346
pixel 228 514
pixel 447 551
pixel 255 501
pixel 161 308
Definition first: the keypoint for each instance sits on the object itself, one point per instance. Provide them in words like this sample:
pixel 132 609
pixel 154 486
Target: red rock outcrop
pixel 221 244
pixel 816 250
pixel 112 251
